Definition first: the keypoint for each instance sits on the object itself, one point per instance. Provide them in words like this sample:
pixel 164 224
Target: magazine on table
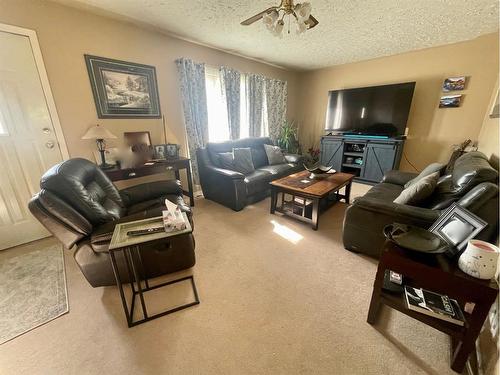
pixel 434 304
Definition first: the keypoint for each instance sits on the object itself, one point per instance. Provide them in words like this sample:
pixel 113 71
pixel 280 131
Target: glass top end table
pixel 129 246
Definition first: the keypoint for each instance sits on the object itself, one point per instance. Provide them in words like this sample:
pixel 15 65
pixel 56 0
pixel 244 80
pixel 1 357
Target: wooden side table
pixel 442 275
pixel 159 166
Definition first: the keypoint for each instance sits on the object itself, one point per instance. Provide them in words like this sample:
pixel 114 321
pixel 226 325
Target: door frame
pixel 44 80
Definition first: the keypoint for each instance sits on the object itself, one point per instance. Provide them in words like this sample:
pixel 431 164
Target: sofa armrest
pixel 398 177
pixel 402 212
pixel 294 158
pixel 366 218
pixel 227 173
pixel 151 190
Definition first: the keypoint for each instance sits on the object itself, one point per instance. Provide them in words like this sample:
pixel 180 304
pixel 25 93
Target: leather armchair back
pixel 85 188
pixel 470 170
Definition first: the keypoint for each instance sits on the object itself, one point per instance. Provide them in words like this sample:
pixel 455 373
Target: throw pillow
pixel 430 169
pixel 226 160
pixel 274 155
pixel 243 162
pixel 418 191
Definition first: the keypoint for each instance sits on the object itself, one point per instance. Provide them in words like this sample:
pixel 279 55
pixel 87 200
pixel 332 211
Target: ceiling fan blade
pixel 257 17
pixel 311 22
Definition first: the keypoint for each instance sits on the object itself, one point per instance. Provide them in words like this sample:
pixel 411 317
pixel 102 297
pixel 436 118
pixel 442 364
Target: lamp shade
pixel 98 132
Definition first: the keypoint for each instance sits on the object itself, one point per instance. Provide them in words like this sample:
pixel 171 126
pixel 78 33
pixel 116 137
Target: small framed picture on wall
pixel 454 84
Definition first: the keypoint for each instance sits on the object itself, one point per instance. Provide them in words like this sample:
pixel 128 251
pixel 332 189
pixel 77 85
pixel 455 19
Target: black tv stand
pixel 367 157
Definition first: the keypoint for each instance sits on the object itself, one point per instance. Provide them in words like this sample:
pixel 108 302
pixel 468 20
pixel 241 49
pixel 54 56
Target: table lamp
pixel 100 133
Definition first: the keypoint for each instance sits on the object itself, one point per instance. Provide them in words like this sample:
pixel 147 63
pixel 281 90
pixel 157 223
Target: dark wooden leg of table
pixel 177 174
pixel 190 185
pixel 315 214
pixel 348 192
pixel 377 289
pixel 274 199
pixel 467 345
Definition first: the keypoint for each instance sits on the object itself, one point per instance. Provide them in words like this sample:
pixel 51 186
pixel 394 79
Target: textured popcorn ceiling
pixel 348 30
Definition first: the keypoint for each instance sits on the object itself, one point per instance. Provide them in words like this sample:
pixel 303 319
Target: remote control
pixel 142 232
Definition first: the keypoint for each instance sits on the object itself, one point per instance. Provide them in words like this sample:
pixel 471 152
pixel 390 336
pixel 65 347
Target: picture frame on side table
pixel 159 152
pixel 457 226
pixel 123 89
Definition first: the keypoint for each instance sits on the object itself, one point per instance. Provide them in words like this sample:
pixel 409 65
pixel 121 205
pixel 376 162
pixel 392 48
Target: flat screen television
pixel 376 110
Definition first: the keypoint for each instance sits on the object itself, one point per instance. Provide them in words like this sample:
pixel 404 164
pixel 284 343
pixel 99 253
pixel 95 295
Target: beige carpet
pixel 276 298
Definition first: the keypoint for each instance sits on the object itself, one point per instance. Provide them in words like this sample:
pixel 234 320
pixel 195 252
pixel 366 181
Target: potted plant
pixel 287 138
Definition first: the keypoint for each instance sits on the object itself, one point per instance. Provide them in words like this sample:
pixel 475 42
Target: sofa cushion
pixel 430 169
pixel 258 181
pixel 226 160
pixel 279 170
pixel 256 144
pixel 418 191
pixel 274 155
pixel 384 191
pixel 243 162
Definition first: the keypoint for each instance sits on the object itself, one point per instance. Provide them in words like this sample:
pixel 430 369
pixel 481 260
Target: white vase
pixel 479 259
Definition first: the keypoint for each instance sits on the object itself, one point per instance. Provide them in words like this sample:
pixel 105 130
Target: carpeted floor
pixel 276 298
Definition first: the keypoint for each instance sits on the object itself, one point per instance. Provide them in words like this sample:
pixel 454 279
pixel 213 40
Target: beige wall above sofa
pixel 65 34
pixel 432 131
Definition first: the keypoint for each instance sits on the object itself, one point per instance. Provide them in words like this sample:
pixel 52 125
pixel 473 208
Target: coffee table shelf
pixel 320 192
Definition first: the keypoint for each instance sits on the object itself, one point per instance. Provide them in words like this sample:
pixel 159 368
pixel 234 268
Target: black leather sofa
pixel 234 189
pixel 472 184
pixel 80 206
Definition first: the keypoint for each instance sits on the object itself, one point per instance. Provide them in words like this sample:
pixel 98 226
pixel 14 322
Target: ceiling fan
pixel 274 17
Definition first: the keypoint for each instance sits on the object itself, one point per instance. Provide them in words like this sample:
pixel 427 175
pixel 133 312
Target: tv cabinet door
pixel 379 158
pixel 331 152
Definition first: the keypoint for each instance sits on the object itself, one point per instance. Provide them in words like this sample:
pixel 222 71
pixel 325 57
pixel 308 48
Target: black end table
pixel 132 254
pixel 439 274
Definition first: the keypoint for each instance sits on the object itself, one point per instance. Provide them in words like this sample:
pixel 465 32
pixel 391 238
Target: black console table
pixel 160 166
pixel 368 158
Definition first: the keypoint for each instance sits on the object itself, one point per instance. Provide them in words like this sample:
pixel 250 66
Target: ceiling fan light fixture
pixel 301 27
pixel 275 18
pixel 270 18
pixel 304 10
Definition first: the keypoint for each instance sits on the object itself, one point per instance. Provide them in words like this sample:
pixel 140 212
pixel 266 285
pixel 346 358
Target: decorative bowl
pixel 318 169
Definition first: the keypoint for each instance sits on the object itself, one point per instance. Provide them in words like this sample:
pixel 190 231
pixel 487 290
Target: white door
pixel 28 143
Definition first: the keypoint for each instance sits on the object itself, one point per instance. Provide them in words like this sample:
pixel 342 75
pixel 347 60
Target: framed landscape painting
pixel 122 89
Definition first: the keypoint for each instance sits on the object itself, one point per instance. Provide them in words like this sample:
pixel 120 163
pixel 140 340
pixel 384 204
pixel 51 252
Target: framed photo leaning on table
pixel 457 226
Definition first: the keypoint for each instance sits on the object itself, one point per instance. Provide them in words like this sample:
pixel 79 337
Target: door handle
pixel 50 144
pixel 46 131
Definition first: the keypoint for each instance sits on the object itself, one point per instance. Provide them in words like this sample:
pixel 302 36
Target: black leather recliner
pixel 80 206
pixel 472 184
pixel 234 189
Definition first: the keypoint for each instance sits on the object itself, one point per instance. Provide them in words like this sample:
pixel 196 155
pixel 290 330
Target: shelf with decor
pixel 367 158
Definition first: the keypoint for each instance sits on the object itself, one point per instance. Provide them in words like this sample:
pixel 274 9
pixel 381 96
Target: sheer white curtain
pixel 253 104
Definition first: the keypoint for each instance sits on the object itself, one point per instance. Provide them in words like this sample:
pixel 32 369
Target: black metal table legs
pixel 138 289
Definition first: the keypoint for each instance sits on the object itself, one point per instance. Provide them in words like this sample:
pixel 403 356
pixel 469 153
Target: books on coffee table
pixel 434 304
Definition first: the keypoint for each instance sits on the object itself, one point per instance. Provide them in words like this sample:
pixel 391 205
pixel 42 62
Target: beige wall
pixel 432 131
pixel 489 135
pixel 66 34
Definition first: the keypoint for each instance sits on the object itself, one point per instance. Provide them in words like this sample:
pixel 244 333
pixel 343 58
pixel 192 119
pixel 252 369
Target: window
pixel 218 127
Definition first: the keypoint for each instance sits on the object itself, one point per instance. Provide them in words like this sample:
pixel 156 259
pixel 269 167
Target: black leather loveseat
pixel 234 189
pixel 80 206
pixel 472 184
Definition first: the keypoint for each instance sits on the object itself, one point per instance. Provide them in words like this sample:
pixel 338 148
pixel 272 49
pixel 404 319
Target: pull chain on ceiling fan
pixel 274 17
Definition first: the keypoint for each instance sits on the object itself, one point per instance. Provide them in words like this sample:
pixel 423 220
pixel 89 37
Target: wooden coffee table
pixel 309 196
